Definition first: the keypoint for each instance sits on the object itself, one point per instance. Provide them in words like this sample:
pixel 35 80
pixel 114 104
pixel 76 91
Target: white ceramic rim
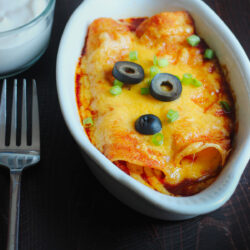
pixel 201 203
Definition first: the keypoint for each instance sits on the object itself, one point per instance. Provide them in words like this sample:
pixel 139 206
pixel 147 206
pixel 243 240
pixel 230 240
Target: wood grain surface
pixel 63 206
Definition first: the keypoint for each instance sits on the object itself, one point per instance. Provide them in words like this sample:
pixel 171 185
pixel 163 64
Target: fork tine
pixel 35 118
pixel 14 116
pixel 24 116
pixel 3 113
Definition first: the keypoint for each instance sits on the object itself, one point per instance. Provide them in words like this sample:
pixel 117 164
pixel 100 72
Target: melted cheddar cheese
pixel 196 145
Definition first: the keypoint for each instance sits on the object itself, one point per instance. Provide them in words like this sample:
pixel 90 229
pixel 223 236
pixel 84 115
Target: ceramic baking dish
pixel 232 57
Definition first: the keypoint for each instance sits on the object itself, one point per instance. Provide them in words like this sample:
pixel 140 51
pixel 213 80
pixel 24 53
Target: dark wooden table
pixel 63 206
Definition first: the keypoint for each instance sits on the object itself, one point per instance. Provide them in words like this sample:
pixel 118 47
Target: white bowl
pixel 230 53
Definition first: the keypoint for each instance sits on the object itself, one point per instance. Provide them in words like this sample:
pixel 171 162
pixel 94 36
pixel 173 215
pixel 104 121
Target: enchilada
pixel 197 128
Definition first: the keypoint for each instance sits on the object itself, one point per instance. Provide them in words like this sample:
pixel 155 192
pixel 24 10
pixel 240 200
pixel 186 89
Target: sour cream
pixel 20 48
pixel 15 13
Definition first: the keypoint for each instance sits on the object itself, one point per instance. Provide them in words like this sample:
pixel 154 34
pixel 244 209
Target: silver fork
pixel 17 157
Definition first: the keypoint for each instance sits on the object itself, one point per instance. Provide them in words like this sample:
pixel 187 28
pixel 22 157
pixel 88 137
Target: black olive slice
pixel 128 72
pixel 165 87
pixel 148 124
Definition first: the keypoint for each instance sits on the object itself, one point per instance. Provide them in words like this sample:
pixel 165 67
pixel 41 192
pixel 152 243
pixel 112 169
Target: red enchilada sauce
pixel 187 187
pixel 133 23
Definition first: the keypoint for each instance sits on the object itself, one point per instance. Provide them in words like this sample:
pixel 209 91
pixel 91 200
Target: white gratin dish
pixel 230 53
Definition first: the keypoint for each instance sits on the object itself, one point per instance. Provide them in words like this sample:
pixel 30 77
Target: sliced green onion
pixel 115 90
pixel 133 55
pixel 172 115
pixel 162 62
pixel 225 106
pixel 187 79
pixel 118 83
pixel 178 78
pixel 209 54
pixel 88 122
pixel 158 139
pixel 196 83
pixel 193 40
pixel 154 71
pixel 144 91
pixel 155 60
pixel 149 82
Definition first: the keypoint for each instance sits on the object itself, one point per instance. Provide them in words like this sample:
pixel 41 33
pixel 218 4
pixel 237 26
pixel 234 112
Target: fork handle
pixel 14 210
